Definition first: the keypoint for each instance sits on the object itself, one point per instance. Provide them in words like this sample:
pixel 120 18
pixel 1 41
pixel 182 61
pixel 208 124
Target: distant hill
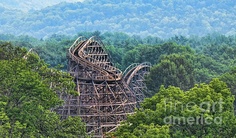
pixel 26 5
pixel 164 18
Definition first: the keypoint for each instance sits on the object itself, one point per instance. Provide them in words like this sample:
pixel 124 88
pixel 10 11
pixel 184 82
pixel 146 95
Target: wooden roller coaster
pixel 134 77
pixel 107 95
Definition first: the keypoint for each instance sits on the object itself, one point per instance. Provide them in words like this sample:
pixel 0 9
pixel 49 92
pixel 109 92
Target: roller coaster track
pixel 107 95
pixel 134 77
pixel 91 54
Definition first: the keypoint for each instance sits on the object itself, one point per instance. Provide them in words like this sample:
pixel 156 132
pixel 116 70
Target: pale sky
pixel 26 5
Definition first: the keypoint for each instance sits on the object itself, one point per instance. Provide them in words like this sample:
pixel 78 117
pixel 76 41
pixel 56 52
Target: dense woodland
pixel 184 69
pixel 191 84
pixel 164 18
pixel 28 97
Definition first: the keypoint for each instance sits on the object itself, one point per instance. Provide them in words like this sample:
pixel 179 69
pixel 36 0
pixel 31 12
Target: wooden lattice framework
pixel 134 78
pixel 107 95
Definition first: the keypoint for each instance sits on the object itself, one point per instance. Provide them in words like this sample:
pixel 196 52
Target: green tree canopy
pixel 206 110
pixel 28 94
pixel 175 70
pixel 230 79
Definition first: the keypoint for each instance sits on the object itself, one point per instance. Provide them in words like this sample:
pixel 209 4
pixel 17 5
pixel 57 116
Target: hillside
pixel 159 18
pixel 26 5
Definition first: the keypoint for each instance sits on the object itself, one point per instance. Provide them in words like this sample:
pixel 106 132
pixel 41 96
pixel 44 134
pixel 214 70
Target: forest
pixel 197 73
pixel 164 18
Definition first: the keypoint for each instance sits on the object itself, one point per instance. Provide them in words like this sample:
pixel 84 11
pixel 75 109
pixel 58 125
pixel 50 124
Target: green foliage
pixel 207 68
pixel 206 110
pixel 230 79
pixel 133 17
pixel 29 86
pixel 8 52
pixel 152 54
pixel 175 70
pixel 54 49
pixel 144 131
pixel 214 53
pixel 115 55
pixel 28 93
pixel 72 127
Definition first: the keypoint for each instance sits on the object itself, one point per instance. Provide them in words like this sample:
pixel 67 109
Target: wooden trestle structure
pixel 107 95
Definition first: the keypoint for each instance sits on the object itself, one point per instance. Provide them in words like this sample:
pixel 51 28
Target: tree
pixel 230 79
pixel 153 53
pixel 175 70
pixel 28 94
pixel 143 131
pixel 206 110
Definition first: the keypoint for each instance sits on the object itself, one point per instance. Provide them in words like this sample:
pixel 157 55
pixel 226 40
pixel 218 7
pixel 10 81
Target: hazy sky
pixel 26 5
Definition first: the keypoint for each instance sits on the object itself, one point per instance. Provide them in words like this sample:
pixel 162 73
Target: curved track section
pixel 90 53
pixel 134 77
pixel 105 99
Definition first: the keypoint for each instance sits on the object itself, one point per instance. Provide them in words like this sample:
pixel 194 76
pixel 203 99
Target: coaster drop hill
pixel 107 95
